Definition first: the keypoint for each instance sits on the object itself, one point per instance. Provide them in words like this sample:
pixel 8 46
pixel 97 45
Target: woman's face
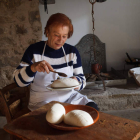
pixel 57 36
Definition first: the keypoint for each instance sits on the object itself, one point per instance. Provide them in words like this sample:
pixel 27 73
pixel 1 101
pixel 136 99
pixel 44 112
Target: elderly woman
pixel 54 54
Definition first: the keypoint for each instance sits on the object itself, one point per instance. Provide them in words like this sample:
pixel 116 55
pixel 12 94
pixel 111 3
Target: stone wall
pixel 20 26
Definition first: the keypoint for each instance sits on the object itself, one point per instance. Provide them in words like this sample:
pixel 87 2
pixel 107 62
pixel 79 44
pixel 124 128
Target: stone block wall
pixel 20 26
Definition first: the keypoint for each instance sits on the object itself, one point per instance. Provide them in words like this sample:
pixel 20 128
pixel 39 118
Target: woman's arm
pixel 23 75
pixel 25 72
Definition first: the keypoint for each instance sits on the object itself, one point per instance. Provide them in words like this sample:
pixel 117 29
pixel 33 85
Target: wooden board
pixel 33 126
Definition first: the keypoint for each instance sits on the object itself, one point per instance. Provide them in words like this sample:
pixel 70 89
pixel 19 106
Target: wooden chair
pixel 16 104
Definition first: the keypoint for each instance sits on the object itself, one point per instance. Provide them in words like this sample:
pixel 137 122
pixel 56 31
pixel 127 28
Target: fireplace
pixel 86 50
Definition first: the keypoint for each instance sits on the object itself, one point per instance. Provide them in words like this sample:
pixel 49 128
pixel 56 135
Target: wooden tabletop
pixel 33 126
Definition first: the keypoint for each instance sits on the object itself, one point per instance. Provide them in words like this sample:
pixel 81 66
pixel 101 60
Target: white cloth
pixel 40 95
pixel 135 72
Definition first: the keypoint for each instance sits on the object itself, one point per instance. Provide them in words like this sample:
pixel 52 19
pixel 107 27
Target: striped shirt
pixel 23 75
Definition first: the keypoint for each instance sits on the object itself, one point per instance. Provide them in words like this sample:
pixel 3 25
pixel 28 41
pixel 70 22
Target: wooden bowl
pixel 62 126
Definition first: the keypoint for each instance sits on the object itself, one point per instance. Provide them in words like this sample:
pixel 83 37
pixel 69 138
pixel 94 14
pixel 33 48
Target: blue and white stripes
pixel 23 75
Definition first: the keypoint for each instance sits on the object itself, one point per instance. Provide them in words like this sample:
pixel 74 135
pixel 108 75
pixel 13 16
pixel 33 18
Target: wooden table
pixel 33 126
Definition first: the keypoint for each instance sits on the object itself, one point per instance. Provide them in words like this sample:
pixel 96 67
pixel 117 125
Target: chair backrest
pixel 18 99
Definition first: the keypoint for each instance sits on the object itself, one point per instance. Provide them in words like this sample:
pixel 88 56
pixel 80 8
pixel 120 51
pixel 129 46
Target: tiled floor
pixel 133 114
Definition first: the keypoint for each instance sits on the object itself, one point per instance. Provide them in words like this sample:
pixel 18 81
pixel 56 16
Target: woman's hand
pixel 41 66
pixel 75 79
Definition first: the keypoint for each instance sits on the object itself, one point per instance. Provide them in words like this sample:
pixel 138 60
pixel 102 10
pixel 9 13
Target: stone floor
pixel 3 135
pixel 117 97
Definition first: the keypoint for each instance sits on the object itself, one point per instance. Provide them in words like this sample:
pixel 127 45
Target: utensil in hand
pixel 60 73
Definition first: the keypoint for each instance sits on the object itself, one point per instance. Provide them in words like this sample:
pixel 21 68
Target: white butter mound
pixel 78 118
pixel 55 114
pixel 64 83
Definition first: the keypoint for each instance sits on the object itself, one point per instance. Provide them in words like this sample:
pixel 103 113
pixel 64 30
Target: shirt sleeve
pixel 23 75
pixel 78 70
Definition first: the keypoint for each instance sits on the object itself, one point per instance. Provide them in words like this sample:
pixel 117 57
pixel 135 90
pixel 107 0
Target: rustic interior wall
pixel 20 26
